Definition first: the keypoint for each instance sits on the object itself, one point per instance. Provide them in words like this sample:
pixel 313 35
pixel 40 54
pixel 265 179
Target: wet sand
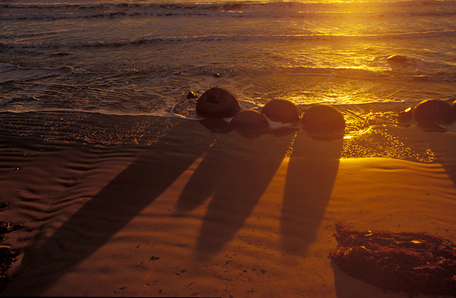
pixel 183 211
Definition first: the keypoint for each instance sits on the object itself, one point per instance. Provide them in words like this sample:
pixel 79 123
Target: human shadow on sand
pixel 234 174
pixel 443 144
pixel 110 209
pixel 310 178
pixel 417 139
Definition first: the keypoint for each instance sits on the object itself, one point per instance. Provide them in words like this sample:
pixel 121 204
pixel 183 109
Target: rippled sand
pixel 118 206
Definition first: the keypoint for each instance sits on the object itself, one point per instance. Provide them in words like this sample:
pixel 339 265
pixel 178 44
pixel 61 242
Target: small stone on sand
pixel 191 95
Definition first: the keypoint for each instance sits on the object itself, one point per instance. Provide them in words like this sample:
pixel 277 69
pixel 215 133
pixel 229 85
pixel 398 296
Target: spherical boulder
pixel 249 119
pixel 282 110
pixel 323 118
pixel 434 111
pixel 217 103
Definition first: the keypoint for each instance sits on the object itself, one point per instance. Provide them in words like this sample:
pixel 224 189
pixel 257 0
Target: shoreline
pixel 380 136
pixel 197 213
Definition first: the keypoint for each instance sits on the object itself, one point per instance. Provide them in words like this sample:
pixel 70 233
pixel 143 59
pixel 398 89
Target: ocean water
pixel 143 57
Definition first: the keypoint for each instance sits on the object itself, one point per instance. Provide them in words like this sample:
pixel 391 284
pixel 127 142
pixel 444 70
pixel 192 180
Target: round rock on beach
pixel 217 103
pixel 249 119
pixel 282 110
pixel 323 118
pixel 434 111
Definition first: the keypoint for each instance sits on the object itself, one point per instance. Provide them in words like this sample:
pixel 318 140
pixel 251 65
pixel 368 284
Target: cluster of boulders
pixel 318 119
pixel 220 103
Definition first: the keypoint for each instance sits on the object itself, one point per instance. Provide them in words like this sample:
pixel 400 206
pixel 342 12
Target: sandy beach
pixel 154 206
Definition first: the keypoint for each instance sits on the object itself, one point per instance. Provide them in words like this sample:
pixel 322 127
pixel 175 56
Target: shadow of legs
pixel 114 206
pixel 311 173
pixel 248 167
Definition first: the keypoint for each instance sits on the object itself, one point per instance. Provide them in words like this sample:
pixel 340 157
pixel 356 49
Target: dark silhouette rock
pixel 249 119
pixel 217 103
pixel 434 111
pixel 405 116
pixel 415 263
pixel 282 110
pixel 323 119
pixel 397 59
pixel 191 95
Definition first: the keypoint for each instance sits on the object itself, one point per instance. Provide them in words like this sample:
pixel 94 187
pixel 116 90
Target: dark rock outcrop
pixel 415 263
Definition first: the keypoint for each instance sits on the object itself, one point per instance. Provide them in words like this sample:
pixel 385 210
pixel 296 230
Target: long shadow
pixel 205 180
pixel 109 210
pixel 443 144
pixel 240 173
pixel 310 178
pixel 209 173
pixel 450 168
pixel 348 287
